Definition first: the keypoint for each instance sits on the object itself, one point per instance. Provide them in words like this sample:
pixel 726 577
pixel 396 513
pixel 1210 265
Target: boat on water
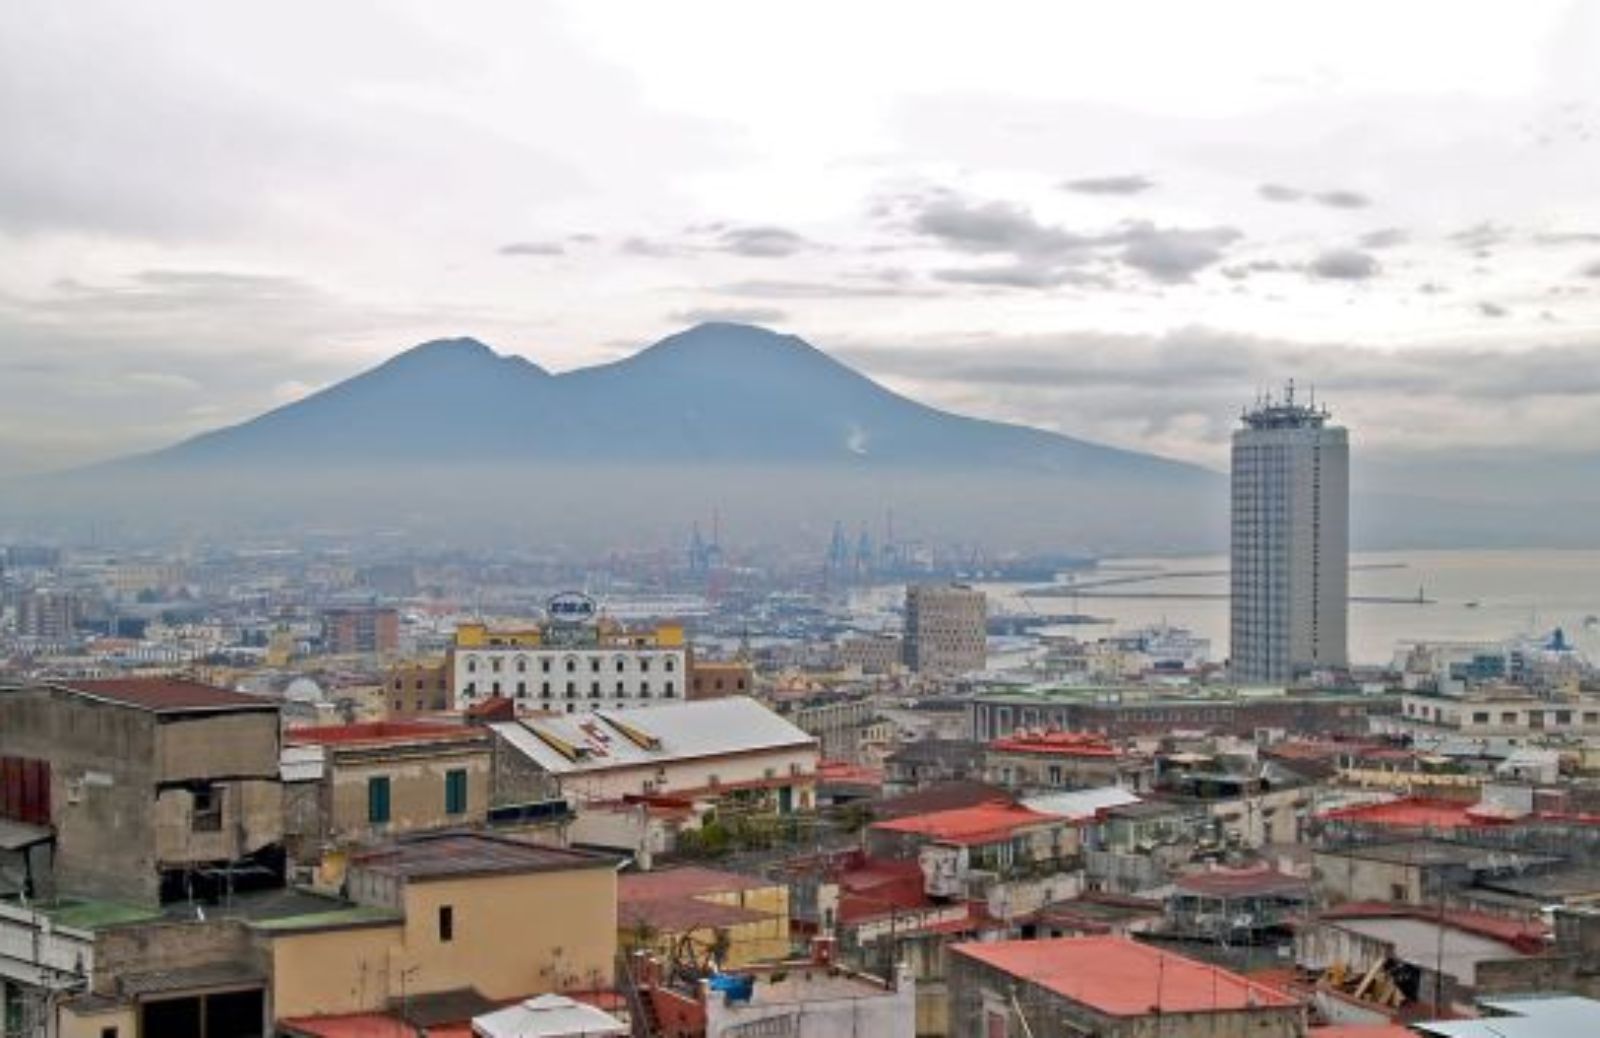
pixel 1472 604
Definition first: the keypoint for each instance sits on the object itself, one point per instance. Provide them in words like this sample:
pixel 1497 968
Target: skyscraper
pixel 946 629
pixel 1290 543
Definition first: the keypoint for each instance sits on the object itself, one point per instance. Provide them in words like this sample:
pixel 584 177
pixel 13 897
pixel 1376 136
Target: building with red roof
pixel 999 837
pixel 741 918
pixel 354 783
pixel 1040 759
pixel 1111 987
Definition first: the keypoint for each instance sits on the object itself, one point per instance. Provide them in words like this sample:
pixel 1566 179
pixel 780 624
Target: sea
pixel 1397 597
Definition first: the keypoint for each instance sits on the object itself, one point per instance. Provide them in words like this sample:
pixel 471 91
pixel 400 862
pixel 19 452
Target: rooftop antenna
pixel 1288 397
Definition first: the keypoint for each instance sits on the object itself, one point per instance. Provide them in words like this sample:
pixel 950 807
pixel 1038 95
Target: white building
pixel 1290 553
pixel 707 750
pixel 576 660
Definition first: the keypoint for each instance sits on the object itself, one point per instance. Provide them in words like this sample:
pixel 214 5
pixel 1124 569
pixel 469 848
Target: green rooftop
pixel 354 915
pixel 82 914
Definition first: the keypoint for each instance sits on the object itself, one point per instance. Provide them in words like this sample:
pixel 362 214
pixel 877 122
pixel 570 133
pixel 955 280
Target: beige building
pixel 947 629
pixel 465 915
pixel 414 687
pixel 739 919
pixel 362 782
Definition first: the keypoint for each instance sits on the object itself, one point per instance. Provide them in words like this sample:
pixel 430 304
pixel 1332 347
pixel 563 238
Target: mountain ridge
pixel 717 392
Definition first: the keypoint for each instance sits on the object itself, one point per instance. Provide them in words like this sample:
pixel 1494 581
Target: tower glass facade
pixel 1290 551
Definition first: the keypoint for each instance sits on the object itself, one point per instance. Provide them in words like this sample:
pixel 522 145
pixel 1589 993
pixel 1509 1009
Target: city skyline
pixel 968 219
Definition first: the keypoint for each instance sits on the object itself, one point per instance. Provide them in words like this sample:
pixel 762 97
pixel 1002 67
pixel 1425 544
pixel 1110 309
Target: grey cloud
pixel 1386 238
pixel 1488 309
pixel 992 227
pixel 1343 265
pixel 532 248
pixel 1128 184
pixel 1045 257
pixel 1592 270
pixel 780 289
pixel 1174 254
pixel 1334 198
pixel 1021 275
pixel 730 314
pixel 1432 288
pixel 761 242
pixel 1481 236
pixel 1280 193
pixel 1340 199
pixel 651 248
pixel 1567 238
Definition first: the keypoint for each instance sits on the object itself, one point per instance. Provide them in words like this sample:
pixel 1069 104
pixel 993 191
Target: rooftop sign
pixel 571 608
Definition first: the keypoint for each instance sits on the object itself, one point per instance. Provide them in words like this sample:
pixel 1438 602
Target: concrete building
pixel 414 687
pixel 947 629
pixel 358 783
pixel 1043 760
pixel 736 918
pixel 469 921
pixel 575 661
pixel 1290 554
pixel 712 679
pixel 48 615
pixel 1120 712
pixel 1111 987
pixel 640 777
pixel 364 630
pixel 159 790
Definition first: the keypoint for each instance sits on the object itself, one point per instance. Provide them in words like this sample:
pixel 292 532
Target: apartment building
pixel 947 629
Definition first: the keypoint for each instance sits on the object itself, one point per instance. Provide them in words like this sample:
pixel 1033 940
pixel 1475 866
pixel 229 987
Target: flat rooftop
pixel 1119 977
pixel 455 855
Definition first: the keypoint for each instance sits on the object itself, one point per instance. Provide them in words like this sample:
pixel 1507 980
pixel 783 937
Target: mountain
pixel 453 443
pixel 717 393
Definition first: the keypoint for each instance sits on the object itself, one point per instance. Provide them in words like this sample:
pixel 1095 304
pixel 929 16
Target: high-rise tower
pixel 1290 541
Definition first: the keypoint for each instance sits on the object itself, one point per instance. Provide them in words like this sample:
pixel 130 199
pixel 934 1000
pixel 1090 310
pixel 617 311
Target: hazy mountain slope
pixel 717 393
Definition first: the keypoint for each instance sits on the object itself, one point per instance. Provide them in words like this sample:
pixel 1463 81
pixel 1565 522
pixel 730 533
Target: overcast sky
pixel 1113 220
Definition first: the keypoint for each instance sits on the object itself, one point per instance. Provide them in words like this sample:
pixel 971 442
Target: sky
pixel 1118 221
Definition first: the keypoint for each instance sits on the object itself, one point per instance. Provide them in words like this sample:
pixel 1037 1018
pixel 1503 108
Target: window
pixel 1480 717
pixel 1055 774
pixel 669 664
pixel 522 689
pixel 1591 717
pixel 544 665
pixel 207 814
pixel 594 665
pixel 378 799
pixel 494 664
pixel 671 688
pixel 620 665
pixel 1563 717
pixel 1508 717
pixel 644 664
pixel 447 923
pixel 572 664
pixel 472 665
pixel 108 1032
pixel 455 791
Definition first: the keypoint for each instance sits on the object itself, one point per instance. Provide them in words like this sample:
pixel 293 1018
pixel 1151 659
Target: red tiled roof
pixel 1058 744
pixel 844 772
pixel 1120 977
pixel 688 881
pixel 1410 813
pixel 1223 882
pixel 380 733
pixel 167 695
pixel 1362 1031
pixel 676 915
pixel 984 823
